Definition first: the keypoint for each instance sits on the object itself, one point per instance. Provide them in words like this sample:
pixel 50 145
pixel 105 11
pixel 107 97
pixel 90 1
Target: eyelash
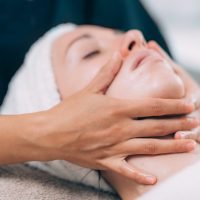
pixel 91 54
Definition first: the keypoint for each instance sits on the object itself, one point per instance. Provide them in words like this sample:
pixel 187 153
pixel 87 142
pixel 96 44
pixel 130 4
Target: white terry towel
pixel 184 186
pixel 33 89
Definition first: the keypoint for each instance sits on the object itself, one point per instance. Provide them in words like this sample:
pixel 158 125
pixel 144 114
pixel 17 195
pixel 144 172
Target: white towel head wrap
pixel 33 89
pixel 35 74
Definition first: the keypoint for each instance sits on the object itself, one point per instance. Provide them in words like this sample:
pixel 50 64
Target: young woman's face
pixel 79 55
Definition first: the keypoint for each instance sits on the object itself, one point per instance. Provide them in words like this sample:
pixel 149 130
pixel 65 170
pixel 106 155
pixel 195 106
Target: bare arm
pixel 15 148
pixel 90 123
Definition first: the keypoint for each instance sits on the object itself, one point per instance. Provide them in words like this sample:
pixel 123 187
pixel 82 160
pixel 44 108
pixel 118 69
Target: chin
pixel 169 90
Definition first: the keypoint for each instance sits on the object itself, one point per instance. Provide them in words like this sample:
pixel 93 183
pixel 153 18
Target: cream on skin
pixel 78 56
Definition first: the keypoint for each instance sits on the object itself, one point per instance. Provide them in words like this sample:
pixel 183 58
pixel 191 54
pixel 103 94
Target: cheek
pixel 150 81
pixel 78 75
pixel 159 83
pixel 165 84
pixel 86 71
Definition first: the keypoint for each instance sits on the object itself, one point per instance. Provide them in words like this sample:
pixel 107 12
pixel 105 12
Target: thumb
pixel 104 78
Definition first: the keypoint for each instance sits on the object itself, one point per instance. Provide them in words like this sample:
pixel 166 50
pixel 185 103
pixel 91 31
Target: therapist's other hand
pixel 192 94
pixel 193 133
pixel 96 131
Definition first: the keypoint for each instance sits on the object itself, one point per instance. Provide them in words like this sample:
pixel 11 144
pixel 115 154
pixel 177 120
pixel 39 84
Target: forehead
pixel 95 31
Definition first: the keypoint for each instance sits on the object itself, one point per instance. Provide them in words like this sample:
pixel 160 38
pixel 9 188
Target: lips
pixel 141 57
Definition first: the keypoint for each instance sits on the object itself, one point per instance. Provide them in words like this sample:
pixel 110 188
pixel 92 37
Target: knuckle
pixel 185 124
pixel 105 153
pixel 160 129
pixel 113 135
pixel 117 131
pixel 150 148
pixel 157 107
pixel 111 111
pixel 116 110
pixel 120 130
pixel 116 128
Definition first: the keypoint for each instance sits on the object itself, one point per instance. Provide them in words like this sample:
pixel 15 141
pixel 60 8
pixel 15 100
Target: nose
pixel 132 41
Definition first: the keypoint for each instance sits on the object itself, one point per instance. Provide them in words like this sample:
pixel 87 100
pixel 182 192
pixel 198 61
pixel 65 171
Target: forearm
pixel 17 138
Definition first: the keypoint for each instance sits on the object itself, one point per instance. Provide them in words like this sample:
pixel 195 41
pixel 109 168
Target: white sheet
pixel 183 186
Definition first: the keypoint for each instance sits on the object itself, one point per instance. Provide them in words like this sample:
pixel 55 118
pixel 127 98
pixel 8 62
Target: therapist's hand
pixel 99 132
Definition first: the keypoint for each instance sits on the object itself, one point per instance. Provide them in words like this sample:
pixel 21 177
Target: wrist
pixel 16 138
pixel 41 138
pixel 24 138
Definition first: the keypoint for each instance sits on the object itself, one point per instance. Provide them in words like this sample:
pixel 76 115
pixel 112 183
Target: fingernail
pixel 150 179
pixel 182 135
pixel 194 122
pixel 178 136
pixel 191 145
pixel 195 102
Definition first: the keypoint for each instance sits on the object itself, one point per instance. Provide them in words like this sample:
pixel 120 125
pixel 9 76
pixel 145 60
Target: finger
pixel 193 134
pixel 155 146
pixel 195 99
pixel 122 167
pixel 186 135
pixel 152 107
pixel 106 75
pixel 162 127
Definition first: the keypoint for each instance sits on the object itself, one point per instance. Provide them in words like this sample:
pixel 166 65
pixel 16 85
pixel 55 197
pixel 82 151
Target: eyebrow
pixel 79 38
pixel 115 31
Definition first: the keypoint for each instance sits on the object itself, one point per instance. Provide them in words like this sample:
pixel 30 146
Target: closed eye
pixel 91 54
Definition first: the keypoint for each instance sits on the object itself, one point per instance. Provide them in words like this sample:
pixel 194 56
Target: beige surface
pixel 20 182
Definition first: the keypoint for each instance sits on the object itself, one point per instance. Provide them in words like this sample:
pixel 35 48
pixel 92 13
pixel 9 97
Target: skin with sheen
pixel 78 56
pixel 91 49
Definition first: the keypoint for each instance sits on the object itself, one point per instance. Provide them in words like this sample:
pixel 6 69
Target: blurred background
pixel 179 21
